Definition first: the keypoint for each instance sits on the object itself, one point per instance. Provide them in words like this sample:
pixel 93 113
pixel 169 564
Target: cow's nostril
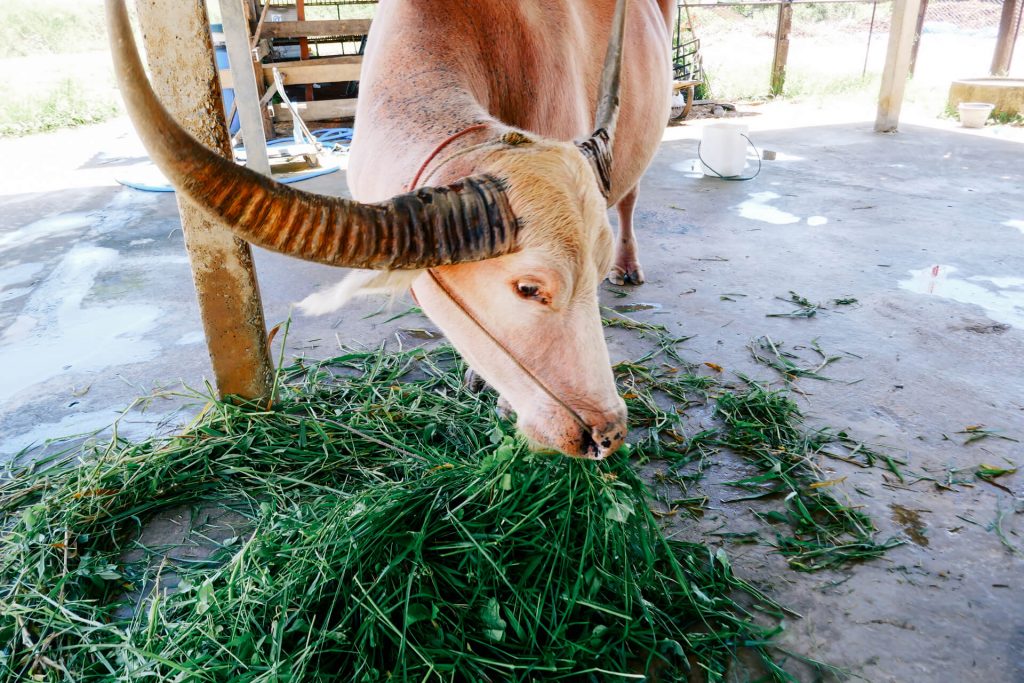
pixel 588 446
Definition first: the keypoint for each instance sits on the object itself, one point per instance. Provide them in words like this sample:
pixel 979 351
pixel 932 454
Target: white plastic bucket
pixel 974 114
pixel 723 149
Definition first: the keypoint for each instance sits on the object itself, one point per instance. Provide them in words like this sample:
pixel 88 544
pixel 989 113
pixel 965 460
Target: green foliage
pixel 36 27
pixel 65 104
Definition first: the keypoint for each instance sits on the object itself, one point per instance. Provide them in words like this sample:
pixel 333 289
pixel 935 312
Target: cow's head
pixel 506 262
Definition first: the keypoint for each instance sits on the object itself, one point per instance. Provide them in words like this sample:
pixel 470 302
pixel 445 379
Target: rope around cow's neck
pixel 440 148
pixel 458 301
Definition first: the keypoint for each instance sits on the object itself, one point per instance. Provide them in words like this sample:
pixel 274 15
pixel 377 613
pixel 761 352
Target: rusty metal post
pixel 785 24
pixel 181 62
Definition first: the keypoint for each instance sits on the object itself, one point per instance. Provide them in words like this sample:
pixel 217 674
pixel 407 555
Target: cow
pixel 481 172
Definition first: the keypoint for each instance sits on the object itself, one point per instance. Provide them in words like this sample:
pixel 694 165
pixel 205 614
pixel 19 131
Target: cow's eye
pixel 531 291
pixel 527 291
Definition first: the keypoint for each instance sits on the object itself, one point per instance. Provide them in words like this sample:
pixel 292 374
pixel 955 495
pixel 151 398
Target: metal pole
pixel 918 30
pixel 871 33
pixel 247 91
pixel 180 56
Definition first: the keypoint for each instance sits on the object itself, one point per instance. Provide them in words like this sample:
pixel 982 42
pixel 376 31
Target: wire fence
pixel 837 46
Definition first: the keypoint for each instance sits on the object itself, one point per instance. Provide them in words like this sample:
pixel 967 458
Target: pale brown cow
pixel 486 208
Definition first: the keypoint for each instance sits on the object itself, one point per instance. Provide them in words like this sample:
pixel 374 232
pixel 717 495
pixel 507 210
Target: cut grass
pixel 395 533
pixel 765 427
pixel 392 529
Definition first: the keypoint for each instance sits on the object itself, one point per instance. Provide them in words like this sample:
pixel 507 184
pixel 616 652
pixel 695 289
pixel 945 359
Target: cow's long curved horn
pixel 598 148
pixel 468 221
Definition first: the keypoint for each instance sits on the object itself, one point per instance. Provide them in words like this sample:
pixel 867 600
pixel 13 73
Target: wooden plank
pixel 327 70
pixel 783 27
pixel 1003 54
pixel 324 110
pixel 320 28
pixel 897 64
pixel 918 30
pixel 184 74
pixel 247 90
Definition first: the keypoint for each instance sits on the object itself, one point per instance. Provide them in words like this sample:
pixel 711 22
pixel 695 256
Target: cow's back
pixel 436 67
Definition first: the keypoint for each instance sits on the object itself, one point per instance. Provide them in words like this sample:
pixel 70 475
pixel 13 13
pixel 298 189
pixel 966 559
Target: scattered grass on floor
pixel 766 428
pixel 395 532
pixel 394 529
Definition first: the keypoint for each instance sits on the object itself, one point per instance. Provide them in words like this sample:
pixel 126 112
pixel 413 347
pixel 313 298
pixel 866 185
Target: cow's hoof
pixel 632 275
pixel 473 382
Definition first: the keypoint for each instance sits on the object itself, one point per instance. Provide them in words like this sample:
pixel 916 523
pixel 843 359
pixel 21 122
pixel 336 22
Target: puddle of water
pixel 420 333
pixel 52 226
pixel 54 333
pixel 191 338
pixel 911 522
pixel 1015 224
pixel 1002 298
pixel 637 307
pixel 15 293
pixel 83 423
pixel 691 167
pixel 757 208
pixel 18 274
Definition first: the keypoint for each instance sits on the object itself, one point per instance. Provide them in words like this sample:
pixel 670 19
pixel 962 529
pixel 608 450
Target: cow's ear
pixel 358 283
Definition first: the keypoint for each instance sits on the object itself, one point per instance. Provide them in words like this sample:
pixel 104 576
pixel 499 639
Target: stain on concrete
pixel 636 308
pixel 1001 297
pixel 910 521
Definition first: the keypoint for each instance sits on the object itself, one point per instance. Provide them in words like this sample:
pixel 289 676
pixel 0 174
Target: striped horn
pixel 598 148
pixel 470 220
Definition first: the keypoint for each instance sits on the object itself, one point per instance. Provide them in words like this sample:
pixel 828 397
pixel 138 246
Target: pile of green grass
pixel 388 526
pixel 394 531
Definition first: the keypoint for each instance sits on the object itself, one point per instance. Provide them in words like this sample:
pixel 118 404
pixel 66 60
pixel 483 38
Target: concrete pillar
pixel 180 57
pixel 897 64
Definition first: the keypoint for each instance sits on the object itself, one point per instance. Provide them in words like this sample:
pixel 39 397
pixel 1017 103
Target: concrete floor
pixel 925 229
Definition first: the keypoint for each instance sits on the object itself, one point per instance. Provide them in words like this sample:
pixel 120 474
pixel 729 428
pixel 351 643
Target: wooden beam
pixel 326 70
pixel 184 74
pixel 897 64
pixel 317 28
pixel 323 110
pixel 247 90
pixel 1008 27
pixel 783 27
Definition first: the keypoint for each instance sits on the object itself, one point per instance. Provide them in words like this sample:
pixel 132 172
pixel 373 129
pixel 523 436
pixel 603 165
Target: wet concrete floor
pixel 924 229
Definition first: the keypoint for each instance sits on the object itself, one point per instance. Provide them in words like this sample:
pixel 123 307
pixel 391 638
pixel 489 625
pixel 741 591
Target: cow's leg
pixel 626 270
